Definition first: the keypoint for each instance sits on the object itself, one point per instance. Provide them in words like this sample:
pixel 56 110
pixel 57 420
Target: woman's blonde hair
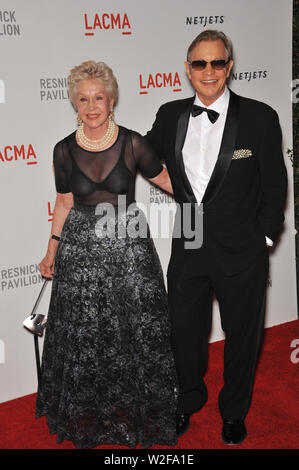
pixel 92 69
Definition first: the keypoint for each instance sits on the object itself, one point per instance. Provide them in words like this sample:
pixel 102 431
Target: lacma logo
pixel 2 91
pixel 107 21
pixel 12 153
pixel 50 212
pixel 159 80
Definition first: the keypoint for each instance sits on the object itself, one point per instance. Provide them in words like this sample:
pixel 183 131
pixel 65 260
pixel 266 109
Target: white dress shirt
pixel 202 145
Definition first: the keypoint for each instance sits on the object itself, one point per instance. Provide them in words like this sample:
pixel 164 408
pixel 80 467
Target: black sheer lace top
pixel 95 177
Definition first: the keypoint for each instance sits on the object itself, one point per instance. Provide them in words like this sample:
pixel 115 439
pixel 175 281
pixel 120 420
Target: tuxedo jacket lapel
pixel 225 154
pixel 226 149
pixel 182 127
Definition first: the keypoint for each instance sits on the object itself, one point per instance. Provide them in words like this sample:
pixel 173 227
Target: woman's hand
pixel 47 265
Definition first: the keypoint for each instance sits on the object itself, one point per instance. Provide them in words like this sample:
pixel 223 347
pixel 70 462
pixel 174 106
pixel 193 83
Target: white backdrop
pixel 145 44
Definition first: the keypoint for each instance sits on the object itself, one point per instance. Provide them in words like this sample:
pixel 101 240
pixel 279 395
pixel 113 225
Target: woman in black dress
pixel 108 375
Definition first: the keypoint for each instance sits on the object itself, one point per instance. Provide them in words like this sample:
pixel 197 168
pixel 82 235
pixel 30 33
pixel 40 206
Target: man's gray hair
pixel 212 35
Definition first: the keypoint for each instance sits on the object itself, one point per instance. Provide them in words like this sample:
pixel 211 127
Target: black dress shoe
pixel 233 432
pixel 182 423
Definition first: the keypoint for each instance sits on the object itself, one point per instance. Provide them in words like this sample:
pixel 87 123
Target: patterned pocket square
pixel 241 153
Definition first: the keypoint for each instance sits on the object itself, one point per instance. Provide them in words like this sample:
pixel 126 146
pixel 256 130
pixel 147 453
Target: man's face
pixel 209 83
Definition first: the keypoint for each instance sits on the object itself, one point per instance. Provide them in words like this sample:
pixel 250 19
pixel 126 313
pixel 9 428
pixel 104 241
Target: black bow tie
pixel 212 115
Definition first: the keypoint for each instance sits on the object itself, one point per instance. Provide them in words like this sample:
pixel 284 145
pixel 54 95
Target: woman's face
pixel 93 104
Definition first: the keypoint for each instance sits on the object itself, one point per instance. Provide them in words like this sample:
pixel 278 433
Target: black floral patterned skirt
pixel 108 375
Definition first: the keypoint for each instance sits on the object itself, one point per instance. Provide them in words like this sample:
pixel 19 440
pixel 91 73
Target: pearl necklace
pixel 99 144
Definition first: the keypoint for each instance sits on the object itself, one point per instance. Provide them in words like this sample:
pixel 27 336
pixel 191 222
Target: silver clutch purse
pixel 36 322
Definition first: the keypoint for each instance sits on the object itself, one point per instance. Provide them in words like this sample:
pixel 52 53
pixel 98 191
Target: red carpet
pixel 272 421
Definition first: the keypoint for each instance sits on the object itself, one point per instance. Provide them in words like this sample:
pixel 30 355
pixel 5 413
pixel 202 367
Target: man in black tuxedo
pixel 222 151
